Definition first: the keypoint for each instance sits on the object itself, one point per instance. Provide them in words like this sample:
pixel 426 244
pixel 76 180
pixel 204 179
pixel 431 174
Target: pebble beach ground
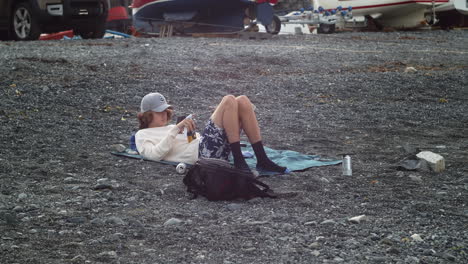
pixel 380 96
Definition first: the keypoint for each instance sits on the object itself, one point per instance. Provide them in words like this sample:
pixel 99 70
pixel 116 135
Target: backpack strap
pixel 264 192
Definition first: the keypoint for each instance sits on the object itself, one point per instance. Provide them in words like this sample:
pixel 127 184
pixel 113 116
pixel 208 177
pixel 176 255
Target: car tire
pixel 326 28
pixel 23 23
pixel 92 32
pixel 275 26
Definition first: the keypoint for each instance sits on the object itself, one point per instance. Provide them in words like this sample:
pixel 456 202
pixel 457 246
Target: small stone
pixel 417 238
pixel 449 256
pixel 18 208
pixel 22 196
pixel 310 223
pixel 102 186
pixel 314 245
pixel 316 253
pixel 410 70
pixel 234 206
pixel 97 221
pixel 118 147
pixel 70 180
pixel 173 221
pixel 328 222
pixel 393 250
pixel 115 220
pixel 76 220
pixel 435 161
pixel 411 260
pixel 78 258
pixel 387 241
pixel 10 219
pixel 357 219
pixel 108 254
pixel 257 222
pixel 415 178
pixel 338 259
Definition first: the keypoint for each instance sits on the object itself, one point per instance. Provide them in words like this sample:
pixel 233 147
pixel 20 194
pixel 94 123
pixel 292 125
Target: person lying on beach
pixel 157 140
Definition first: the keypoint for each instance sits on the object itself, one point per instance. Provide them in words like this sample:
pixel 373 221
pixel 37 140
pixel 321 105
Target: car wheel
pixel 95 32
pixel 23 24
pixel 326 28
pixel 275 26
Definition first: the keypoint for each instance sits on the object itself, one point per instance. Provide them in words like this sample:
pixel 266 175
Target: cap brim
pixel 161 108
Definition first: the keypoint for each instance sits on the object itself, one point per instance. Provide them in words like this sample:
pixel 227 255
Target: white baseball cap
pixel 154 102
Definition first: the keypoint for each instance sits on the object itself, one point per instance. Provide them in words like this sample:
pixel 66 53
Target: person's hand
pixel 188 123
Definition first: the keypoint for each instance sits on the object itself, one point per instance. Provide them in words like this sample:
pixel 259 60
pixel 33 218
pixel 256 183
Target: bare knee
pixel 229 101
pixel 244 102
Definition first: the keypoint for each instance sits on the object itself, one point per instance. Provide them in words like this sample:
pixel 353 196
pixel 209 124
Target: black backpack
pixel 217 180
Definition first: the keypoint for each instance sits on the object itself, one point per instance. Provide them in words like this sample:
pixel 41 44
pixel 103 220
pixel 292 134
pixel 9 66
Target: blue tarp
pixel 293 160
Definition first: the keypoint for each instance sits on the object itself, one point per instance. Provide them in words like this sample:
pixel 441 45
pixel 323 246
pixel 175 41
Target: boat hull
pixel 190 15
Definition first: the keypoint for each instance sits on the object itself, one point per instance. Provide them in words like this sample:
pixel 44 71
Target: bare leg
pixel 248 119
pixel 226 116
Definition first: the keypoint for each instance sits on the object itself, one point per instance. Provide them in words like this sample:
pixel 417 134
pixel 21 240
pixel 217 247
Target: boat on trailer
pixel 195 16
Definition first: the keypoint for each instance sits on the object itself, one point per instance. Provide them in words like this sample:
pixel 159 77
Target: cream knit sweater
pixel 165 143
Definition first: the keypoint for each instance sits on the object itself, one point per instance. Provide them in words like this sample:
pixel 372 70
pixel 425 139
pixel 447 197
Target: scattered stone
pixel 102 186
pixel 393 250
pixel 409 164
pixel 338 259
pixel 435 161
pixel 449 256
pixel 77 220
pixel 71 180
pixel 411 260
pixel 316 253
pixel 429 252
pixel 78 259
pixel 357 219
pixel 314 245
pixel 417 238
pixel 325 180
pixel 18 209
pixel 387 241
pixel 10 219
pixel 234 206
pixel 115 221
pixel 118 148
pixel 257 222
pixel 97 221
pixel 310 223
pixel 410 70
pixel 328 222
pixel 415 178
pixel 108 254
pixel 378 259
pixel 22 196
pixel 173 221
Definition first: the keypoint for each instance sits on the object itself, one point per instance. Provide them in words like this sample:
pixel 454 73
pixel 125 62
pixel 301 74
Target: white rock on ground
pixel 172 221
pixel 357 219
pixel 435 161
pixel 417 238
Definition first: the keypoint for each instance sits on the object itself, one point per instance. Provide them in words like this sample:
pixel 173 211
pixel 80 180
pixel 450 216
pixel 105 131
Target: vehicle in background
pixel 167 17
pixel 119 18
pixel 28 19
pixel 387 13
pixel 452 14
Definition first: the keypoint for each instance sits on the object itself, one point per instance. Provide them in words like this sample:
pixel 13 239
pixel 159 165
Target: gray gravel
pixel 65 199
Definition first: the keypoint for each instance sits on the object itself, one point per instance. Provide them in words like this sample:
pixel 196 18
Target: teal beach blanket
pixel 293 160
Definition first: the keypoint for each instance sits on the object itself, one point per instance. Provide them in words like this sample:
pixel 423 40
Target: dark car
pixel 27 19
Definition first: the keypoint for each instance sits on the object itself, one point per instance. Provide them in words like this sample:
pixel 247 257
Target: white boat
pixel 459 5
pixel 390 13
